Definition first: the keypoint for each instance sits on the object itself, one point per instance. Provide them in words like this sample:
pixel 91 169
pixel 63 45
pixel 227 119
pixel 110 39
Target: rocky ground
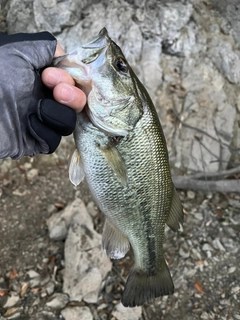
pixel 51 263
pixel 70 278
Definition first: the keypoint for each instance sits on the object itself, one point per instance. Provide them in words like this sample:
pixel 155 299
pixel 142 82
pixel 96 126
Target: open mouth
pixel 96 41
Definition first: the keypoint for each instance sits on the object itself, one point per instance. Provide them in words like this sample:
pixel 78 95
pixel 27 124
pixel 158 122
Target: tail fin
pixel 142 286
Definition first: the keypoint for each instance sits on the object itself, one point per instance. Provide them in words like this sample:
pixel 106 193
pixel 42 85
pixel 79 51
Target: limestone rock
pixel 77 313
pixel 188 59
pixel 58 301
pixel 123 313
pixel 226 59
pixel 85 263
pixel 20 16
pixel 54 15
pixel 59 222
pixel 12 300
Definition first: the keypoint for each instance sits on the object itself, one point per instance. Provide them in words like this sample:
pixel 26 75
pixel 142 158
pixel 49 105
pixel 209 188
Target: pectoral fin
pixel 115 162
pixel 176 213
pixel 115 244
pixel 76 172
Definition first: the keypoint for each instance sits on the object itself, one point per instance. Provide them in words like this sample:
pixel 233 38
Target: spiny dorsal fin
pixel 175 216
pixel 115 162
pixel 143 286
pixel 115 244
pixel 76 172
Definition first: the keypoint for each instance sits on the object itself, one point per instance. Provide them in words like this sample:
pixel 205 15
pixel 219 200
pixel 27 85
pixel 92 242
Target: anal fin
pixel 143 286
pixel 115 244
pixel 175 216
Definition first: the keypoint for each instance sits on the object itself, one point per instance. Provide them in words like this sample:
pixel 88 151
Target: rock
pixel 92 209
pixel 85 263
pixel 27 166
pixel 50 286
pixel 207 139
pixel 12 300
pixel 190 194
pixel 218 245
pixel 58 301
pixel 230 10
pixel 32 274
pixel 77 313
pixel 207 247
pixel 123 313
pixel 57 231
pixel 198 216
pixel 59 222
pixel 35 278
pixel 51 209
pixel 232 269
pixel 44 315
pixel 31 174
pixel 53 15
pixel 226 59
pixel 184 251
pixel 20 16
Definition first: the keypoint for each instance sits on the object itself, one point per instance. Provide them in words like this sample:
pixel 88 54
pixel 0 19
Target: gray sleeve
pixel 20 90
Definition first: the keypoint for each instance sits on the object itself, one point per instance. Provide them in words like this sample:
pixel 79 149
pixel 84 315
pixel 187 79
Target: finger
pixel 59 51
pixel 52 76
pixel 70 96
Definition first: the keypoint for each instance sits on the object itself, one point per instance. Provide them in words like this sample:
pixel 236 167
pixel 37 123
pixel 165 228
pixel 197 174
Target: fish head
pixel 100 69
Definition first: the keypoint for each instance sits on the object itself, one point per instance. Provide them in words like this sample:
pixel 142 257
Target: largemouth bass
pixel 122 153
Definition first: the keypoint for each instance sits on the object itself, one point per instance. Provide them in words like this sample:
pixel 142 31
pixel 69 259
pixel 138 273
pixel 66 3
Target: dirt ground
pixel 203 257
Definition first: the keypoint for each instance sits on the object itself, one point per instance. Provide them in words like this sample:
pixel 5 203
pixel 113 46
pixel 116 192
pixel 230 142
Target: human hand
pixel 31 120
pixel 63 85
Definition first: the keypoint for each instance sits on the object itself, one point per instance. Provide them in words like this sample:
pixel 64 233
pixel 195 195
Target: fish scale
pixel 122 153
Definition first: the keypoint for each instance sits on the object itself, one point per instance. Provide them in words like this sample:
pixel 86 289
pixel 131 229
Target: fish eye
pixel 121 65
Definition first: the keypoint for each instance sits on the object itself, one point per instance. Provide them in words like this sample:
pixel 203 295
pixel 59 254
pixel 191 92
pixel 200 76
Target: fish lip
pixel 98 41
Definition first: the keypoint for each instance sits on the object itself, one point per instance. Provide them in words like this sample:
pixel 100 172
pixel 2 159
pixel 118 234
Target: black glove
pixel 31 122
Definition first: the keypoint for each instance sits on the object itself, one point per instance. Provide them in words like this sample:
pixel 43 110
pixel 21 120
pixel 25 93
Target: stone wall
pixel 185 52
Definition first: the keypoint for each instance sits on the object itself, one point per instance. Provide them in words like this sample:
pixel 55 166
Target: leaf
pixel 199 287
pixel 3 293
pixel 24 288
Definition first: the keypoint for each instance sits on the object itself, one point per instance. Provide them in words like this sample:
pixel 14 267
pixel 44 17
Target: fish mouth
pixel 97 41
pixel 95 47
pixel 86 53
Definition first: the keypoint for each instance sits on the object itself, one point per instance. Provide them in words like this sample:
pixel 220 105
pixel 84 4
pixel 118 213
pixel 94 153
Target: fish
pixel 121 152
